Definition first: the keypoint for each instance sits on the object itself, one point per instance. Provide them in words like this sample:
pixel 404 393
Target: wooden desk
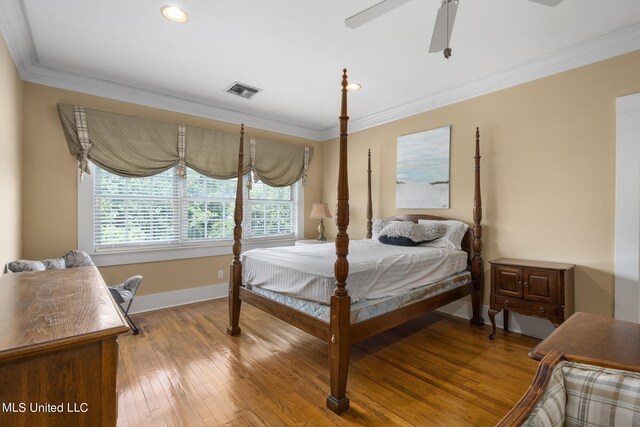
pixel 595 337
pixel 58 349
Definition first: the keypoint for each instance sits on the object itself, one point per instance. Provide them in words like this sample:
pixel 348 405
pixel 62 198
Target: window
pixel 208 208
pixel 271 210
pixel 135 211
pixel 165 212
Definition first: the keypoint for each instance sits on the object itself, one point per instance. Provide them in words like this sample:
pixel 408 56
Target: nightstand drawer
pixel 527 307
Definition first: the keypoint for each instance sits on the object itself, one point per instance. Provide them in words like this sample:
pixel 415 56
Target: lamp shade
pixel 320 210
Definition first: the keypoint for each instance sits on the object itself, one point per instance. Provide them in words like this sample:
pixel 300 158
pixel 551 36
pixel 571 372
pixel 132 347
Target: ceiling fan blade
pixel 440 35
pixel 373 12
pixel 548 2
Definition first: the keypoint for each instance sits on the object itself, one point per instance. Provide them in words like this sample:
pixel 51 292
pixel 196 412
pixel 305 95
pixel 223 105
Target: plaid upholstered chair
pixel 122 293
pixel 573 391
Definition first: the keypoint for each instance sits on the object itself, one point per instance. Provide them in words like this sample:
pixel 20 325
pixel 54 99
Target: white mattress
pixel 376 270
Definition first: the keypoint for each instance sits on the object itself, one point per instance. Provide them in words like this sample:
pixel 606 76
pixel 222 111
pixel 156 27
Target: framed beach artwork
pixel 422 174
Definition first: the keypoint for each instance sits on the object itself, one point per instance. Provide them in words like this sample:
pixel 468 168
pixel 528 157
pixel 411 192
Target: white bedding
pixel 376 270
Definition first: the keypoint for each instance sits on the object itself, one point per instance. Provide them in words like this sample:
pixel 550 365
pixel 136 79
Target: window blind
pixel 165 210
pixel 272 210
pixel 208 207
pixel 135 212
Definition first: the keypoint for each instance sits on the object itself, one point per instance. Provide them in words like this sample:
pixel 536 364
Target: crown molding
pixel 108 89
pixel 17 34
pixel 15 28
pixel 613 44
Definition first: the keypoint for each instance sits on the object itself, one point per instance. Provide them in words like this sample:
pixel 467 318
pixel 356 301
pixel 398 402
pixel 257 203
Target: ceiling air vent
pixel 243 90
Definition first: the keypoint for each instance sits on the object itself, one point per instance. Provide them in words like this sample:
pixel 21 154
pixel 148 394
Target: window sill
pixel 137 256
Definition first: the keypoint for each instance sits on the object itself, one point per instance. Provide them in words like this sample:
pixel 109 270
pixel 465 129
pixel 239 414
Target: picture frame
pixel 423 169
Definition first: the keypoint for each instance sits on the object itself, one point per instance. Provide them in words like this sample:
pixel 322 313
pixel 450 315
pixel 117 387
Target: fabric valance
pixel 137 147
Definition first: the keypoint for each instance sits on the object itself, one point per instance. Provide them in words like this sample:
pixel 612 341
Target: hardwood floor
pixel 184 370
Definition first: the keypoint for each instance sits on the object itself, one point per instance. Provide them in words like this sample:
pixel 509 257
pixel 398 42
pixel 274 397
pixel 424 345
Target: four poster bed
pixel 334 318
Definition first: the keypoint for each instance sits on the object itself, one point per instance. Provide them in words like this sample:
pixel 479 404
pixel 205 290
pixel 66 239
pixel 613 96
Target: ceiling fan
pixel 442 28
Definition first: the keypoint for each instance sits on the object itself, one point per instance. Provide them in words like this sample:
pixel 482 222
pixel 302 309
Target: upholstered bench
pixel 573 391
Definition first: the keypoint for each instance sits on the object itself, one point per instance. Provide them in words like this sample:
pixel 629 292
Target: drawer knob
pixel 541 309
pixel 520 284
pixel 506 303
pixel 526 285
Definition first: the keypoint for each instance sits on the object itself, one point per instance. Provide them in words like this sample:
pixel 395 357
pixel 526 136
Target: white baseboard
pixel 526 325
pixel 151 302
pixel 532 326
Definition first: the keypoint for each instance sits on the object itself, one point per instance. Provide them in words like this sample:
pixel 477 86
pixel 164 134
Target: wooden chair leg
pixel 339 349
pixel 234 299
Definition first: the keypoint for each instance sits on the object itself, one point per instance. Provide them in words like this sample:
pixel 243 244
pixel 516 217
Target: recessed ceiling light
pixel 175 14
pixel 353 86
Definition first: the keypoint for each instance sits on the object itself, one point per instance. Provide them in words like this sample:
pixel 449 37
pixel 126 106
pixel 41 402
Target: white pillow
pixel 452 238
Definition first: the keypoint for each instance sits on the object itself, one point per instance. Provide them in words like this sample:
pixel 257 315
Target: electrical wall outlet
pixel 220 274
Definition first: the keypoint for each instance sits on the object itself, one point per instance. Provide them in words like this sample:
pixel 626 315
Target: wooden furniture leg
pixel 505 318
pixel 492 317
pixel 340 315
pixel 477 264
pixel 339 349
pixel 235 276
pixel 234 299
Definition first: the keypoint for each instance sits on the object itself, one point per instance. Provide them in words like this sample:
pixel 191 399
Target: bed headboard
pixel 472 240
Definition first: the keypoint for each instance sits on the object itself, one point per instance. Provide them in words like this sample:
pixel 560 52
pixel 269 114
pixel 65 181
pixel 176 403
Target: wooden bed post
pixel 339 342
pixel 477 265
pixel 235 270
pixel 369 203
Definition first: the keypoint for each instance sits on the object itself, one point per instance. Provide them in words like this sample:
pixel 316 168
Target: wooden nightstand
pixel 312 242
pixel 532 288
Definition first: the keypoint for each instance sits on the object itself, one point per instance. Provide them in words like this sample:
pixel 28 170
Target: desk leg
pixel 492 317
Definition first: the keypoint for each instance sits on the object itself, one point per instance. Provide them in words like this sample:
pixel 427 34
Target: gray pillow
pixel 434 230
pixel 25 265
pixel 408 233
pixel 77 258
pixel 127 290
pixel 378 225
pixel 54 263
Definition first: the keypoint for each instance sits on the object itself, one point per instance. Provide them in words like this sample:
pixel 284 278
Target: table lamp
pixel 319 211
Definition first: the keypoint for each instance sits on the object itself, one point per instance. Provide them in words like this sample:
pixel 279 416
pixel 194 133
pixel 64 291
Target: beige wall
pixel 50 223
pixel 548 175
pixel 548 170
pixel 10 127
